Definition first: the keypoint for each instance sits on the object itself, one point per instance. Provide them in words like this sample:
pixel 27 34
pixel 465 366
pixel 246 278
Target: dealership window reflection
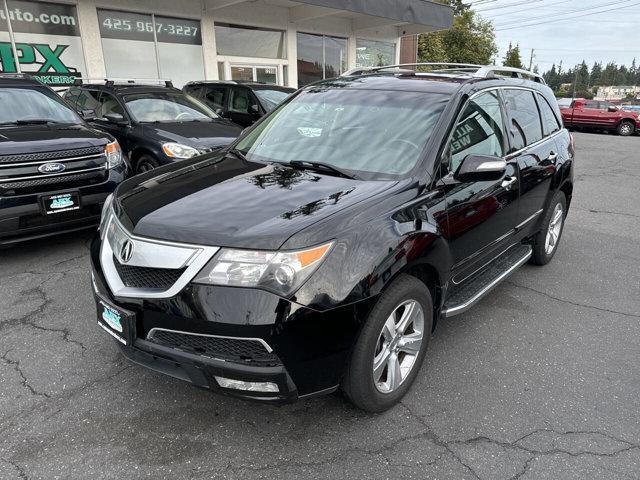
pixel 320 57
pixel 372 53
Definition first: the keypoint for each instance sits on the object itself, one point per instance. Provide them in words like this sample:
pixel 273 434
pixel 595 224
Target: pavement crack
pixel 577 304
pixel 25 382
pixel 430 434
pixel 21 473
pixel 609 212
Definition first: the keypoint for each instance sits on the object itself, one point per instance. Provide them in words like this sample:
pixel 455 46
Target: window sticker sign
pixel 47 39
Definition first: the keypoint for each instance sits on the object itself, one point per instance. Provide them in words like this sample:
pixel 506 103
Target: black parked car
pixel 155 124
pixel 55 170
pixel 321 249
pixel 241 102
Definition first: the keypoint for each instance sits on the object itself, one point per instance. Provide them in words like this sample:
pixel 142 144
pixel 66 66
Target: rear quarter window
pixel 550 123
pixel 525 126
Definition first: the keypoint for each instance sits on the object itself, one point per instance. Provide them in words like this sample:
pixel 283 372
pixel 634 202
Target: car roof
pixel 446 83
pixel 127 89
pixel 8 79
pixel 252 85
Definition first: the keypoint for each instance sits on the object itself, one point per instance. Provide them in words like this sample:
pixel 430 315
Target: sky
pixel 567 30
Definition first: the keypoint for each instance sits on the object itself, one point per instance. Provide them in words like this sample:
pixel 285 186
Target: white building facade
pixel 271 41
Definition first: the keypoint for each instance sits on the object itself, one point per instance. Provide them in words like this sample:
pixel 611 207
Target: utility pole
pixel 531 60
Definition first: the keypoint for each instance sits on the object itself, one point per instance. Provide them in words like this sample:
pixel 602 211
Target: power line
pixel 526 24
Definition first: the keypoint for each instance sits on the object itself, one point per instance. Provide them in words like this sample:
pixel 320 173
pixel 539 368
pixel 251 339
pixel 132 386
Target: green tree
pixel 512 57
pixel 470 40
pixel 596 74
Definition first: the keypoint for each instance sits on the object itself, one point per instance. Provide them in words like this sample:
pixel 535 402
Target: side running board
pixel 464 296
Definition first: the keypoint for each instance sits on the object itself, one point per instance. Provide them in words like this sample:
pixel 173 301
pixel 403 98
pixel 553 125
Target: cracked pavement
pixel 538 381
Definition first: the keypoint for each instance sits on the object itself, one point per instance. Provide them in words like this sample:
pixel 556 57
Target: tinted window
pixel 214 97
pixel 24 104
pixel 524 119
pixel 88 100
pixel 240 100
pixel 590 104
pixel 550 122
pixel 480 131
pixel 110 106
pixel 350 129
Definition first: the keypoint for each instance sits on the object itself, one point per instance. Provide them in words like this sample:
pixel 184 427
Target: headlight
pixel 279 272
pixel 106 212
pixel 176 150
pixel 113 154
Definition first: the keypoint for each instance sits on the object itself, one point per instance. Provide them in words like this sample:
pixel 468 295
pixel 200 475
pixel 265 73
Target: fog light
pixel 248 386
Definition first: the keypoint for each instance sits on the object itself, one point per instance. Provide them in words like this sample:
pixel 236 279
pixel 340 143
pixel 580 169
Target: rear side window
pixel 524 120
pixel 595 105
pixel 550 122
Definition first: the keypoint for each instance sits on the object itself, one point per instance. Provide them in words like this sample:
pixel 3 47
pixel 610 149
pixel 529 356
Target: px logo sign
pixel 40 55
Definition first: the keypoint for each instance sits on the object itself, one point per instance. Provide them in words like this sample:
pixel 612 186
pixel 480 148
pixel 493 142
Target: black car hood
pixel 21 139
pixel 225 201
pixel 201 135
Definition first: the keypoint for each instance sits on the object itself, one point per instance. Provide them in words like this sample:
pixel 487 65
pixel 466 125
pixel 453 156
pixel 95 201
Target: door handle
pixel 508 182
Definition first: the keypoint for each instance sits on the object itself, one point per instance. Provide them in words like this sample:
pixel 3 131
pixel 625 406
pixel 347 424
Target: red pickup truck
pixel 599 115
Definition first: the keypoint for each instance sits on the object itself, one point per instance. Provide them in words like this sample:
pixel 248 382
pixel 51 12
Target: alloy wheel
pixel 398 346
pixel 626 129
pixel 554 230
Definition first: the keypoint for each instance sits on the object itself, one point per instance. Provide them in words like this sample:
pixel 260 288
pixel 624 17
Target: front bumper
pixel 310 348
pixel 21 216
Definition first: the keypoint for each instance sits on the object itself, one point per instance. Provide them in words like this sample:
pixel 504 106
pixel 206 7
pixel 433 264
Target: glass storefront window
pixel 243 41
pixel 320 57
pixel 127 36
pixel 47 41
pixel 371 53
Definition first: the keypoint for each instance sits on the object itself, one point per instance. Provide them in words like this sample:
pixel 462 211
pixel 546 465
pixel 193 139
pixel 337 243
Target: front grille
pixel 51 156
pixel 63 181
pixel 145 277
pixel 248 351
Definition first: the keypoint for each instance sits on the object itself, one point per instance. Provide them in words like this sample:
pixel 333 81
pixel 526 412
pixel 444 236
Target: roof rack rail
pixel 478 71
pixel 128 81
pixel 404 66
pixel 490 71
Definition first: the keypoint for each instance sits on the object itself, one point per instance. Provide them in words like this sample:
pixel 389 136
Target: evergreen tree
pixel 512 57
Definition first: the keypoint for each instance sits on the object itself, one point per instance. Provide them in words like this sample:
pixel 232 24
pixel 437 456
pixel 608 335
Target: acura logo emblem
pixel 52 168
pixel 126 251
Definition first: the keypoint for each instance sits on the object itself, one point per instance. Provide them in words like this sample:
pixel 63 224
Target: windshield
pixel 371 132
pixel 271 98
pixel 167 107
pixel 39 104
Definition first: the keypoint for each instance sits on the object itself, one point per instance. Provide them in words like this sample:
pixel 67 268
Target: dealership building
pixel 283 42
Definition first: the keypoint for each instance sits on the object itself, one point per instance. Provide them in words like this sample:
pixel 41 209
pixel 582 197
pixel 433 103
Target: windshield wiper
pixel 35 121
pixel 321 167
pixel 238 154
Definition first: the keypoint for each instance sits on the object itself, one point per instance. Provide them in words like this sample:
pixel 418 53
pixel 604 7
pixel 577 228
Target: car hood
pixel 16 140
pixel 200 135
pixel 225 201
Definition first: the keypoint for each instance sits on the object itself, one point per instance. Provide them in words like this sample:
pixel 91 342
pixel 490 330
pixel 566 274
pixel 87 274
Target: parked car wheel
pixel 626 129
pixel 146 163
pixel 545 243
pixel 391 347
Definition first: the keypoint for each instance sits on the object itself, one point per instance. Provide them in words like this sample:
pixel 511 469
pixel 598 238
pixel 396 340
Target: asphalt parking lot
pixel 539 381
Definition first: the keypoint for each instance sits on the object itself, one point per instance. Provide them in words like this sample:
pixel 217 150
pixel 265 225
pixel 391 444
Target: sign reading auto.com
pixel 47 41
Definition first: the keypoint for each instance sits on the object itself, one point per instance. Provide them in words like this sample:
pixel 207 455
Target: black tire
pixel 358 382
pixel 146 163
pixel 626 129
pixel 540 255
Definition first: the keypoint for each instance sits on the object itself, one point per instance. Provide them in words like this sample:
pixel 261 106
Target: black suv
pixel 243 103
pixel 322 247
pixel 155 124
pixel 55 170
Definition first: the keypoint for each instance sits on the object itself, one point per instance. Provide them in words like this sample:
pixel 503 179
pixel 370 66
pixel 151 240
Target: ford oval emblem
pixel 52 168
